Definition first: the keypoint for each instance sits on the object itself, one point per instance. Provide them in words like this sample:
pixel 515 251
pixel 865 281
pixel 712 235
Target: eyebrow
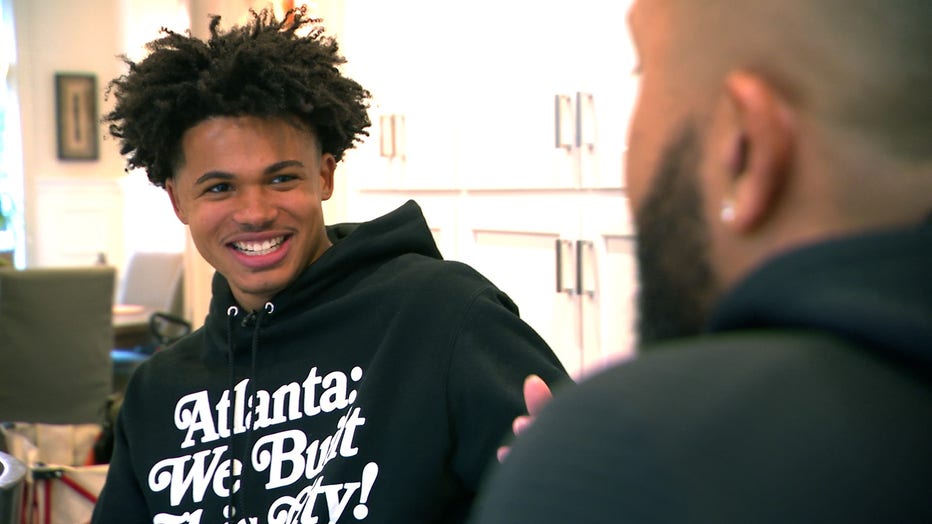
pixel 224 175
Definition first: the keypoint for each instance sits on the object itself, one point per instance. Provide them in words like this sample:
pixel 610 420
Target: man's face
pixel 250 190
pixel 677 281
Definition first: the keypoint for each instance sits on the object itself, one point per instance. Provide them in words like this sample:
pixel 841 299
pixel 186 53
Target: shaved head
pixel 857 66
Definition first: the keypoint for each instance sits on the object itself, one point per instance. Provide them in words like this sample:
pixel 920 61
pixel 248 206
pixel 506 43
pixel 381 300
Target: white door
pixel 514 240
pixel 608 289
pixel 514 114
pixel 402 52
pixel 545 95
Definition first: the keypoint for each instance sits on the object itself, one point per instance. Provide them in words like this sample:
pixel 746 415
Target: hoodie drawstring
pixel 250 394
pixel 232 312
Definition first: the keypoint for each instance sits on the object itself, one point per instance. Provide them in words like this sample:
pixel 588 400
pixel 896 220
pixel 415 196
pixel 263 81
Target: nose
pixel 255 209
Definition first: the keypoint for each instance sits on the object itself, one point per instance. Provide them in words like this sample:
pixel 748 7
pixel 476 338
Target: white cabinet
pixel 567 261
pixel 493 94
pixel 607 269
pixel 512 240
pixel 549 89
pixel 506 121
pixel 401 52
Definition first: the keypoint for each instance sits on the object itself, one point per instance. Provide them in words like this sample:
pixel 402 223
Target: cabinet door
pixel 607 88
pixel 514 241
pixel 493 94
pixel 548 101
pixel 608 289
pixel 401 52
pixel 519 57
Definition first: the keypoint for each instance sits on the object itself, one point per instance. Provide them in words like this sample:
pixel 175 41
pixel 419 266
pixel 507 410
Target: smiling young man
pixel 344 373
pixel 780 172
pixel 250 190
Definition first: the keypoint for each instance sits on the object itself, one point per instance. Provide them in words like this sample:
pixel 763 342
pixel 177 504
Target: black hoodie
pixel 810 400
pixel 375 388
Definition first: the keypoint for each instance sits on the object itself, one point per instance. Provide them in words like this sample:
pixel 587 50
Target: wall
pixel 77 209
pixel 63 37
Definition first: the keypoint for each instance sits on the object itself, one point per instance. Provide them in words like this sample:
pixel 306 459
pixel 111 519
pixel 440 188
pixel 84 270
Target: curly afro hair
pixel 263 68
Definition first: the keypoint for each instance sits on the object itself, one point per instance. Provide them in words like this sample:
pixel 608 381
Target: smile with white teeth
pixel 259 248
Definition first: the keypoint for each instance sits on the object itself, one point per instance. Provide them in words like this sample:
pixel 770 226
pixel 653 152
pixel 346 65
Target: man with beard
pixel 781 176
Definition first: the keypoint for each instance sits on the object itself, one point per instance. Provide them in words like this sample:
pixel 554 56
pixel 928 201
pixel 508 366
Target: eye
pixel 222 187
pixel 281 179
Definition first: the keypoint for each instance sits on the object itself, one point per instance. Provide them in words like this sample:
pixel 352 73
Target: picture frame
pixel 76 110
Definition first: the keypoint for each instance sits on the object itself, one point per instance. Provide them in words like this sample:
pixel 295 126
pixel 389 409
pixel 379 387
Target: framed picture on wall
pixel 76 110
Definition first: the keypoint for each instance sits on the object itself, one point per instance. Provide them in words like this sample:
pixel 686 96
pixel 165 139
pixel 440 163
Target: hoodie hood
pixel 873 289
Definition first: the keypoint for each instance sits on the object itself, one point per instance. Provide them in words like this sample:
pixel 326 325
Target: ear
pixel 179 211
pixel 328 164
pixel 759 149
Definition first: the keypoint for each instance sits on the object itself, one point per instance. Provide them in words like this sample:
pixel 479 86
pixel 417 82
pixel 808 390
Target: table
pixel 131 325
pixel 130 330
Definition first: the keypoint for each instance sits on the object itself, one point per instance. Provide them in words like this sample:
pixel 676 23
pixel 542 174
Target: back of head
pixel 860 66
pixel 871 58
pixel 783 123
pixel 266 68
pixel 854 78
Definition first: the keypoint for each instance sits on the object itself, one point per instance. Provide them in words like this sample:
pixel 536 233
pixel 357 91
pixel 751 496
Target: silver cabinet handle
pixel 561 246
pixel 562 111
pixel 585 120
pixel 392 136
pixel 399 137
pixel 386 136
pixel 582 264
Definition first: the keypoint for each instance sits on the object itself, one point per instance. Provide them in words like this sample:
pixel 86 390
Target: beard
pixel 677 282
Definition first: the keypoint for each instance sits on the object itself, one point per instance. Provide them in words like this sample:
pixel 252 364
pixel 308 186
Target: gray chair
pixel 56 332
pixel 154 280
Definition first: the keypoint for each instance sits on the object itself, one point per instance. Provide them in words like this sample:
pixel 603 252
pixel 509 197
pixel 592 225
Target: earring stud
pixel 727 213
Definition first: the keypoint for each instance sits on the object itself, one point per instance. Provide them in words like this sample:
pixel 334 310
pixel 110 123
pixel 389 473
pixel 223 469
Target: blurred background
pixel 505 119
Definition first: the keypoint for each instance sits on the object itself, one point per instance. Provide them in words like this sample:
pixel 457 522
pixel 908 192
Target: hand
pixel 536 396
